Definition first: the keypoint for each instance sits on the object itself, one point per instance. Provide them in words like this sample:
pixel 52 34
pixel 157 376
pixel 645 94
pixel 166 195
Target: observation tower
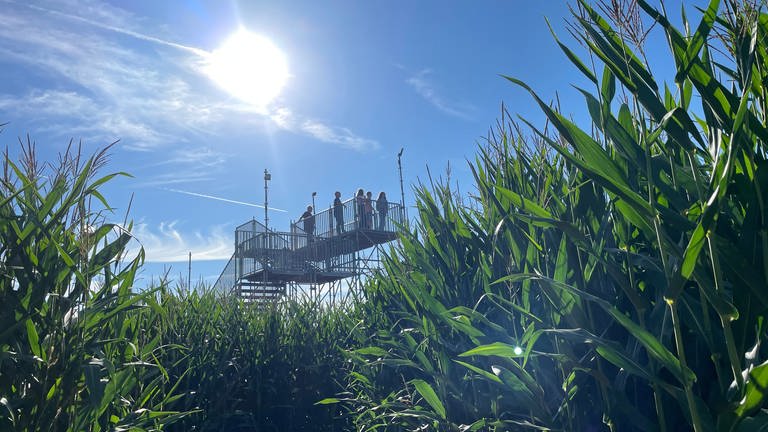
pixel 327 262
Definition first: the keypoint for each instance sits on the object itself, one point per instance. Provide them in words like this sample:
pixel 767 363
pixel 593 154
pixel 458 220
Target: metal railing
pixel 303 251
pixel 228 277
pixel 351 216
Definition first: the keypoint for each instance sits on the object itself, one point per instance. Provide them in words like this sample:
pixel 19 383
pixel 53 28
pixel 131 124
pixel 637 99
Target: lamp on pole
pixel 402 191
pixel 314 209
pixel 267 177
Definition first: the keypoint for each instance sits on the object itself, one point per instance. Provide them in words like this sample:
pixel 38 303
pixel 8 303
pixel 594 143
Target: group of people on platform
pixel 364 211
pixel 364 207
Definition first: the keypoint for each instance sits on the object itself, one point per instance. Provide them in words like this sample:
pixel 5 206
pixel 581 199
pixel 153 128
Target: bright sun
pixel 249 67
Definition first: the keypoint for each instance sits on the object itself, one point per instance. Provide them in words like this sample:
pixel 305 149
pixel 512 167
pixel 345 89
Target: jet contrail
pixel 193 50
pixel 221 199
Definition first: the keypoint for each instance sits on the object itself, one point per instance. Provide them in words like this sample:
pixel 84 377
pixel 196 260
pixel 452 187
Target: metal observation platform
pixel 328 253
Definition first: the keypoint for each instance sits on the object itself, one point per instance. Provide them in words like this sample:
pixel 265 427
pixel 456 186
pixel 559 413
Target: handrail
pixel 353 215
pixel 227 278
pixel 257 247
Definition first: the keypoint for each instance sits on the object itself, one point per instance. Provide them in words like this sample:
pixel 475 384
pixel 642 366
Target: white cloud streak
pixel 177 178
pixel 106 89
pixel 426 89
pixel 285 119
pixel 334 135
pixel 195 194
pixel 137 35
pixel 98 88
pixel 166 243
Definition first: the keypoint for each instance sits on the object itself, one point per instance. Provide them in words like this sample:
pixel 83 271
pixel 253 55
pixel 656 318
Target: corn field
pixel 607 277
pixel 81 350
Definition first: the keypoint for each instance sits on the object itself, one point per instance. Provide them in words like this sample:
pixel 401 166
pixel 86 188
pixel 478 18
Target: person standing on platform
pixel 382 207
pixel 360 208
pixel 309 223
pixel 338 213
pixel 368 210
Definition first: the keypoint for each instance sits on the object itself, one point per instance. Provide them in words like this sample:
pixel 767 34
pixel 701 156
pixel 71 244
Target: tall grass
pixel 250 367
pixel 80 349
pixel 607 277
pixel 69 352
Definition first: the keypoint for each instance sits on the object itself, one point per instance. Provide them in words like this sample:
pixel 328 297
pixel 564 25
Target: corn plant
pixel 69 352
pixel 250 367
pixel 608 277
pixel 447 331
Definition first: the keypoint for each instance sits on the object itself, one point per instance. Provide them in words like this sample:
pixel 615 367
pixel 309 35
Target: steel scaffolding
pixel 326 255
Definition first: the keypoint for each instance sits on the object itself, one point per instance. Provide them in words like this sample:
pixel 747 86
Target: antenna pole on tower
pixel 402 191
pixel 267 177
pixel 267 237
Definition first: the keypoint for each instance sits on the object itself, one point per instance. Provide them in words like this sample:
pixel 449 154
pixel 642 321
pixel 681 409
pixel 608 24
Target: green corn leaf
pixel 561 263
pixel 691 254
pixel 756 391
pixel 33 338
pixel 737 264
pixel 719 300
pixel 372 351
pixel 463 324
pixel 573 57
pixel 613 130
pixel 654 347
pixel 608 87
pixel 517 384
pixel 481 424
pixel 635 208
pixel 428 393
pixel 110 251
pixel 623 361
pixel 687 93
pixel 499 349
pixel 753 424
pixel 698 40
pixel 523 204
pixel 485 374
pixel 612 43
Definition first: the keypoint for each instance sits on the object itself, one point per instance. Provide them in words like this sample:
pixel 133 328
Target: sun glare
pixel 249 67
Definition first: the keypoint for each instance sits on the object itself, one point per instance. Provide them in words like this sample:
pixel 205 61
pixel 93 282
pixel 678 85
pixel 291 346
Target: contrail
pixel 222 199
pixel 193 50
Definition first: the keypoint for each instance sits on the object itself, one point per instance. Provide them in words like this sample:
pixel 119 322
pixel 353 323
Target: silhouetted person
pixel 338 213
pixel 309 223
pixel 360 208
pixel 368 209
pixel 382 207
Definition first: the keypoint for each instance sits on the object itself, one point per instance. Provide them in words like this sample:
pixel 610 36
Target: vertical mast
pixel 267 177
pixel 402 191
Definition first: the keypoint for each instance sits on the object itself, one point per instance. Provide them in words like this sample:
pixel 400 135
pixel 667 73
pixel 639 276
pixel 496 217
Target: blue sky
pixel 366 78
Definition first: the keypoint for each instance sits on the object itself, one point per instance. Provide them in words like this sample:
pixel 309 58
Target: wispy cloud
pixel 285 119
pixel 200 195
pixel 97 87
pixel 191 164
pixel 105 88
pixel 167 243
pixel 124 31
pixel 177 178
pixel 424 86
pixel 337 135
pixel 195 157
pixel 80 115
